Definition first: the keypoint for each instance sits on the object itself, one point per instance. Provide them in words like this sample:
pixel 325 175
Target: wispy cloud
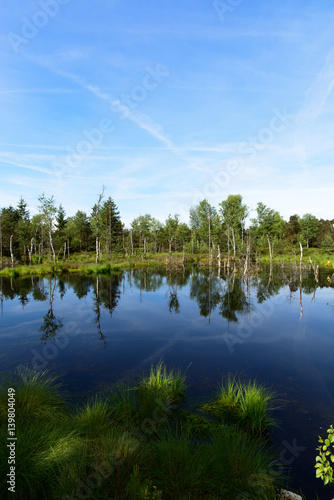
pixel 315 99
pixel 36 91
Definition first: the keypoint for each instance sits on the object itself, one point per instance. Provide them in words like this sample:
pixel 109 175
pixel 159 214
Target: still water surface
pixel 95 331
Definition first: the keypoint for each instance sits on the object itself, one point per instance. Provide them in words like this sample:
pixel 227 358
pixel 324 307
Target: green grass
pixel 237 463
pixel 168 385
pixel 85 262
pixel 34 270
pixel 94 417
pixel 248 404
pixel 37 397
pixel 178 467
pixel 135 442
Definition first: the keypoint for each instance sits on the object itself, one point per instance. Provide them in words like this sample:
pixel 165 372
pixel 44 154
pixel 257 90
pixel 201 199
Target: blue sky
pixel 167 103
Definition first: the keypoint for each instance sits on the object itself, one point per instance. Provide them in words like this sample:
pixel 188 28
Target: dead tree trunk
pixel 11 249
pixel 97 241
pixel 228 247
pixel 210 253
pixel 31 250
pixel 233 242
pixel 271 255
pixel 51 246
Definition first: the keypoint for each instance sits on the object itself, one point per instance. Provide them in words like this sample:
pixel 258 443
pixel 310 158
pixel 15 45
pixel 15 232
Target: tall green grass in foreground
pixel 37 398
pixel 136 442
pixel 248 404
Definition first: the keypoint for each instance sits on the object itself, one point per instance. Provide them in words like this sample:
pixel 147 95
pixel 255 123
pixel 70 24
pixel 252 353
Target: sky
pixel 167 103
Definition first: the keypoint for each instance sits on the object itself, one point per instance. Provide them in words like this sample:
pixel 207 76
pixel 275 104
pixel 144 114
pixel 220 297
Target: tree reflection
pixel 107 294
pixel 204 288
pixel 51 322
pixel 97 311
pixel 173 301
pixel 233 300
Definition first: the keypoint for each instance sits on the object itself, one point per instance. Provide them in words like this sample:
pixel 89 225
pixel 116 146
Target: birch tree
pixel 48 211
pixel 96 224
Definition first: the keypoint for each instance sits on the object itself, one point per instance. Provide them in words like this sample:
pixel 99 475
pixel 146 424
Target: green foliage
pixel 233 215
pixel 127 445
pixel 325 459
pixel 104 234
pixel 37 397
pixel 235 462
pixel 200 216
pixel 94 417
pixel 248 404
pixel 178 467
pixel 309 226
pixel 169 385
pixel 268 221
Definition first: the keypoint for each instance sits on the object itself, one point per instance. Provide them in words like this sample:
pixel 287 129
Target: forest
pixel 50 234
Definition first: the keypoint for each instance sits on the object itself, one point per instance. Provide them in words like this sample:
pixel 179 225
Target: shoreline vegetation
pixel 142 440
pixel 85 262
pixel 99 242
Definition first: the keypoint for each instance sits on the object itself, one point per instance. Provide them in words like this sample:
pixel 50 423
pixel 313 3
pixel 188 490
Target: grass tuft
pixel 37 398
pixel 249 404
pixel 133 443
pixel 170 385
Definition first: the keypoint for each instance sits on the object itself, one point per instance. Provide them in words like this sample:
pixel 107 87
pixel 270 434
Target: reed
pixel 247 403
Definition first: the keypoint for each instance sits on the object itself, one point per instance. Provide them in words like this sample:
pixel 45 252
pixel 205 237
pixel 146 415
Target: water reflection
pixel 107 295
pixel 51 322
pixel 227 292
pixel 234 299
pixel 116 326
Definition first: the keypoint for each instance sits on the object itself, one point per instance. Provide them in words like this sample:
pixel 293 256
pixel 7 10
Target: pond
pixel 94 331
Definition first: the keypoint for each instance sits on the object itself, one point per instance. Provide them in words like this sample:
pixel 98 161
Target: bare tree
pixel 48 212
pixel 96 219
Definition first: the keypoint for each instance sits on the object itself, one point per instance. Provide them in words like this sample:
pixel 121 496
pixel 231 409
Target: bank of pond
pixel 85 263
pixel 142 440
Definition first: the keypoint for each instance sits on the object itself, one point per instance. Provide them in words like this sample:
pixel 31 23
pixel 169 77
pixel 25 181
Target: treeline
pixel 214 230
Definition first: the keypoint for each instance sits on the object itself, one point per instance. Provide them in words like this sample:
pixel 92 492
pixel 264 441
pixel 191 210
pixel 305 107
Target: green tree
pixel 78 230
pixel 111 226
pixel 9 220
pixel 60 233
pixel 292 230
pixel 183 233
pixel 170 228
pixel 309 226
pixel 48 210
pixel 233 216
pixel 268 224
pixel 23 229
pixel 204 223
pixel 141 227
pixel 156 230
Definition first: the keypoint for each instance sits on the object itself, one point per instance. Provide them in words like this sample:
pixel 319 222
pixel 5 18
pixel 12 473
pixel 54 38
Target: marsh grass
pixel 136 441
pixel 198 426
pixel 256 405
pixel 124 404
pixel 247 403
pixel 93 419
pixel 37 397
pixel 169 385
pixel 237 463
pixel 44 455
pixel 178 468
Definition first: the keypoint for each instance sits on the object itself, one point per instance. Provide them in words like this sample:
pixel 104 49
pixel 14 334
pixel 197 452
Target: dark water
pixel 94 331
